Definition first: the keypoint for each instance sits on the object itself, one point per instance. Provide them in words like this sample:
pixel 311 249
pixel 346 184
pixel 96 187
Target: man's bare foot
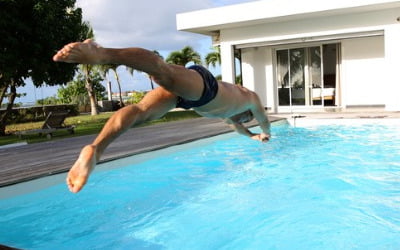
pixel 87 52
pixel 80 171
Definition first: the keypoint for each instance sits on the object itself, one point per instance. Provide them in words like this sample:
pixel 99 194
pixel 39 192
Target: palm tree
pixel 87 70
pixel 237 53
pixel 184 56
pixel 151 79
pixel 214 57
pixel 131 70
pixel 105 68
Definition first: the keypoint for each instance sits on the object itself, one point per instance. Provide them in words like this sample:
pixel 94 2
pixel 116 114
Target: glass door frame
pixel 307 74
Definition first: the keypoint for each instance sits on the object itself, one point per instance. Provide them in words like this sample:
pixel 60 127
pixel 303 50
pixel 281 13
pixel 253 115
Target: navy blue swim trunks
pixel 209 92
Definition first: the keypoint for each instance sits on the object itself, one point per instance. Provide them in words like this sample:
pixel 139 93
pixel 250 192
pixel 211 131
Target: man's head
pixel 243 117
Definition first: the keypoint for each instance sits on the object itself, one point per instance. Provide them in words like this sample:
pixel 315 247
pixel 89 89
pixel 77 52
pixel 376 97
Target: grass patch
pixel 84 125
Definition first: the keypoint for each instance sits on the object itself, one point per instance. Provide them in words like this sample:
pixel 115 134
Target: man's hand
pixel 80 171
pixel 261 137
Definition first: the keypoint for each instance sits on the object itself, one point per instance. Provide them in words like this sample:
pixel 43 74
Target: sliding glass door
pixel 291 79
pixel 301 75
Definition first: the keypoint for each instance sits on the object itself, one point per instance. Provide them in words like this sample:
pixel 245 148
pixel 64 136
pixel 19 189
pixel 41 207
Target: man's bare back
pixel 229 102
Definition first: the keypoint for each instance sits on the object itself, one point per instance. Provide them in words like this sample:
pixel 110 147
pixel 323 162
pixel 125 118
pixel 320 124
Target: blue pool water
pixel 315 187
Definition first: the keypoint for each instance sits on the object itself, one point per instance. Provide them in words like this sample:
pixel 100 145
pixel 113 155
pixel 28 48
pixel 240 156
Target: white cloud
pixel 150 24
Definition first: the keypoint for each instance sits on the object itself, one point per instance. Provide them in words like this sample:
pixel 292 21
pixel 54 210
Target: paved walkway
pixel 27 162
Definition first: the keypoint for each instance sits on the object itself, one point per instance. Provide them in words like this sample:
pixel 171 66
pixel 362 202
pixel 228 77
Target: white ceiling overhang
pixel 211 21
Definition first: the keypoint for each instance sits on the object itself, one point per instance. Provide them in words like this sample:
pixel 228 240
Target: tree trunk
pixel 151 82
pixel 90 90
pixel 119 89
pixel 3 91
pixel 6 114
pixel 92 97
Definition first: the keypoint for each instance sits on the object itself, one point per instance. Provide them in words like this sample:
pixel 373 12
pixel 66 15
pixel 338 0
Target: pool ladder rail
pixel 294 117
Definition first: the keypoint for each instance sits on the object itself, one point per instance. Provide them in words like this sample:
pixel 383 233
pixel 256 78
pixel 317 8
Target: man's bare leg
pixel 80 171
pixel 176 79
pixel 154 105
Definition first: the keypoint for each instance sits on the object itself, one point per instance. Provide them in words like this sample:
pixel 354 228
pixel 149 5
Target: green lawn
pixel 84 125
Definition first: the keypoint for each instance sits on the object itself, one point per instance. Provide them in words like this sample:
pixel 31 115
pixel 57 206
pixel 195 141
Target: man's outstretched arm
pixel 243 130
pixel 259 114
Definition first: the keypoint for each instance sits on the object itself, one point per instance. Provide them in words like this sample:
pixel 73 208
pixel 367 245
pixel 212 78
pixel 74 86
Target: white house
pixel 311 54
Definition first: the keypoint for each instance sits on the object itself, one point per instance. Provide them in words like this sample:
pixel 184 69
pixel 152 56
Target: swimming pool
pixel 310 187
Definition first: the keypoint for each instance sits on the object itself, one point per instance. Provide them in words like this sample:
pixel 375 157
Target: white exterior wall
pixel 227 68
pixel 392 66
pixel 364 60
pixel 257 72
pixel 363 71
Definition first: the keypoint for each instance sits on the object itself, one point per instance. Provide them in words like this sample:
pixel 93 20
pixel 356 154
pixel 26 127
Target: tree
pixel 131 70
pixel 136 97
pixel 237 53
pixel 184 56
pixel 214 57
pixel 91 77
pixel 151 79
pixel 51 100
pixel 105 68
pixel 75 91
pixel 31 31
pixel 88 70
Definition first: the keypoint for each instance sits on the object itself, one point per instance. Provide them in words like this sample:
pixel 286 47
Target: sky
pixel 150 24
